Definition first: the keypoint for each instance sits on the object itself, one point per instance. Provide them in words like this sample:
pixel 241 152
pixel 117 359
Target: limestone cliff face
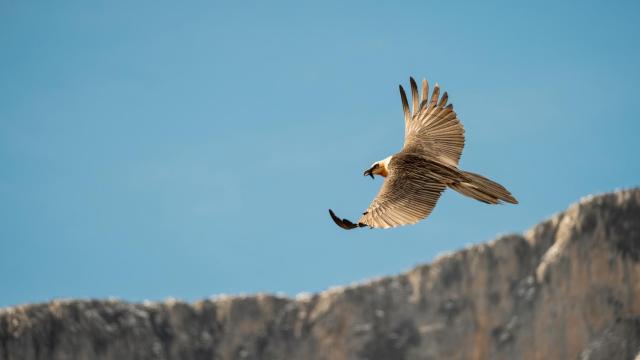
pixel 567 289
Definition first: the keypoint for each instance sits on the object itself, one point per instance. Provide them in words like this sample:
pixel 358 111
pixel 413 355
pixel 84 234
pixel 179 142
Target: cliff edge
pixel 567 289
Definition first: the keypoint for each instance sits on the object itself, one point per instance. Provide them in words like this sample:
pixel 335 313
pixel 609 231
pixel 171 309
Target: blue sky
pixel 188 149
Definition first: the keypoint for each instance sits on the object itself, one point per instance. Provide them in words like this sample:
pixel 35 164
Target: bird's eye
pixel 375 166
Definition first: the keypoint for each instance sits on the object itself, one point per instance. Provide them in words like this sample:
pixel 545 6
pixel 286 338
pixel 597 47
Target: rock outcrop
pixel 567 289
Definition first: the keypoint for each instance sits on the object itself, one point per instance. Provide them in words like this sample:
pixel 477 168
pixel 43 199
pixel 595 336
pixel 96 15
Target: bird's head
pixel 379 168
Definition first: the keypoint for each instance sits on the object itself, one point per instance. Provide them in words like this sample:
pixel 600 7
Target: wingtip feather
pixel 344 223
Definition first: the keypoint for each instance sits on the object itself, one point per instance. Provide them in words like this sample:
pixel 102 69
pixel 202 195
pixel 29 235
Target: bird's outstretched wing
pixel 432 127
pixel 408 194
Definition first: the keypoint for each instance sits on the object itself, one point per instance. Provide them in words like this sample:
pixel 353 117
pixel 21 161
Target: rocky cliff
pixel 567 289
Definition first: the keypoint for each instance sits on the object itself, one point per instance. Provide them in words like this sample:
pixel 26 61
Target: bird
pixel 427 164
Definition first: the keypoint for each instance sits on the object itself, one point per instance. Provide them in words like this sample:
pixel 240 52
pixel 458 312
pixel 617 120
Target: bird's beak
pixel 368 172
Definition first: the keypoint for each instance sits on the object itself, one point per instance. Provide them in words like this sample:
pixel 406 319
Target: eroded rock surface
pixel 567 289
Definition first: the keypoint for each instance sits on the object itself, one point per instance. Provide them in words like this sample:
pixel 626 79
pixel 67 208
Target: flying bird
pixel 416 176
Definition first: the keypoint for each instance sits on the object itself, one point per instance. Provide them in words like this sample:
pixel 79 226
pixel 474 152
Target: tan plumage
pixel 426 165
pixel 408 194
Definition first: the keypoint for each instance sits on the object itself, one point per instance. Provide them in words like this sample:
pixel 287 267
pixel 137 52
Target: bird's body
pixel 427 164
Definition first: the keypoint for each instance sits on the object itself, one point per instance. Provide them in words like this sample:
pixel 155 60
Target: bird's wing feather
pixel 433 128
pixel 409 193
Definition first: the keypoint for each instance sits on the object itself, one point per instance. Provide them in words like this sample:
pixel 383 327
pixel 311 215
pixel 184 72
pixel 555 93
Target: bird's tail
pixel 482 189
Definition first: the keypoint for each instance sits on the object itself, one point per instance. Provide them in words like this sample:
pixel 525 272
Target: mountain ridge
pixel 567 288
